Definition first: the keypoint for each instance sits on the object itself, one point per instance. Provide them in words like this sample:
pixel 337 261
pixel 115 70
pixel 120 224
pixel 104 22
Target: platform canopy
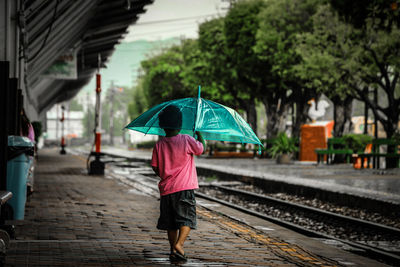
pixel 80 30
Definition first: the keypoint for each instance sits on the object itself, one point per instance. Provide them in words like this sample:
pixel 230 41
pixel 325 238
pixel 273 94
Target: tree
pixel 323 51
pixel 246 69
pixel 377 66
pixel 280 22
pixel 162 79
pixel 212 69
pixel 357 12
pixel 363 59
pixel 138 103
pixel 88 123
pixel 75 106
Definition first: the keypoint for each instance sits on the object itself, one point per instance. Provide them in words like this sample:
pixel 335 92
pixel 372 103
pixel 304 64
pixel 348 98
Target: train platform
pixel 73 219
pixel 375 184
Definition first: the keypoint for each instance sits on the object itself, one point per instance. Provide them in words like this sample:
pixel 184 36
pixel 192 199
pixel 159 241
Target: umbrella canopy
pixel 213 120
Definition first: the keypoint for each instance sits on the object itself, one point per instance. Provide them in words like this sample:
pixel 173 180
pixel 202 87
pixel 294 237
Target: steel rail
pixel 379 227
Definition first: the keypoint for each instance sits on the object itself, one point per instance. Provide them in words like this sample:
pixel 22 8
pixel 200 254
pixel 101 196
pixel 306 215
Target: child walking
pixel 173 162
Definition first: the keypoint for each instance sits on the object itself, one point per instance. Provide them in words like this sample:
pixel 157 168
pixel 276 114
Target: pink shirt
pixel 173 156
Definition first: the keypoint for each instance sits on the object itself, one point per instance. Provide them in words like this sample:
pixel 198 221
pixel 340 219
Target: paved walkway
pixel 73 219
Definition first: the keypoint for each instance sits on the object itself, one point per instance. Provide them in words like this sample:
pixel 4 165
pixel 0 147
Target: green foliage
pixel 117 101
pixel 163 77
pixel 88 122
pixel 212 70
pixel 75 106
pixel 247 71
pixel 281 22
pixel 276 45
pixel 280 53
pixel 357 142
pixel 342 60
pixel 323 51
pixel 282 145
pixel 138 103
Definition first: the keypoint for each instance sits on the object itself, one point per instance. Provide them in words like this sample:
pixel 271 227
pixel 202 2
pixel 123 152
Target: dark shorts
pixel 176 210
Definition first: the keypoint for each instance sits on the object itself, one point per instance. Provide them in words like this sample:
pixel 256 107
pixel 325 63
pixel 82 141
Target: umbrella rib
pixel 215 116
pixel 240 129
pixel 211 109
pixel 183 107
pixel 156 114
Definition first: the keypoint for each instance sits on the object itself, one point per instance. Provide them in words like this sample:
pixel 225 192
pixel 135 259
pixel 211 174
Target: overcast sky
pixel 174 18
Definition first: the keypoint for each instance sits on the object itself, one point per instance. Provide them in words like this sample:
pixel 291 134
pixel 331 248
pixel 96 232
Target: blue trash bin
pixel 20 149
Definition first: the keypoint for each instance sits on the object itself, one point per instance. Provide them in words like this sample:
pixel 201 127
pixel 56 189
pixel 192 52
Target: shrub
pixel 282 145
pixel 357 142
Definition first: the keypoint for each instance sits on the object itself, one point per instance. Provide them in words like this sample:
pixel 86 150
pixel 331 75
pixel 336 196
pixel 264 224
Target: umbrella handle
pixel 198 95
pixel 197 110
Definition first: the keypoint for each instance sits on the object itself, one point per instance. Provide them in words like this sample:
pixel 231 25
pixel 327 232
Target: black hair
pixel 170 118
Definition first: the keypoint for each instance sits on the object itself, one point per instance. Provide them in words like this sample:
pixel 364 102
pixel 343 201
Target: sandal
pixel 180 256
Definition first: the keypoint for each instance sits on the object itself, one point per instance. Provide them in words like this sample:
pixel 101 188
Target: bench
pixel 330 151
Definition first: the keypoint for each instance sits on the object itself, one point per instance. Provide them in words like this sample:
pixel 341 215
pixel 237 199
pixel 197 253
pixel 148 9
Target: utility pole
pixel 96 167
pixel 57 119
pixel 112 92
pixel 88 117
pixel 62 151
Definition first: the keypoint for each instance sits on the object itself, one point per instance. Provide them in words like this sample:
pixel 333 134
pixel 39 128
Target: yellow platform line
pixel 291 252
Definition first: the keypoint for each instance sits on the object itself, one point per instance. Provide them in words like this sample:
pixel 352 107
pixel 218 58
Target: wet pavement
pixel 370 183
pixel 73 219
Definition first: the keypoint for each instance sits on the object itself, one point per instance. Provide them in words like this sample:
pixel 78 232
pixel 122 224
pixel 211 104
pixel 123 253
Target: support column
pixel 97 166
pixel 4 85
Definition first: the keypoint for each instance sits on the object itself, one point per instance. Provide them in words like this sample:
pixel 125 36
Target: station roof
pixel 89 28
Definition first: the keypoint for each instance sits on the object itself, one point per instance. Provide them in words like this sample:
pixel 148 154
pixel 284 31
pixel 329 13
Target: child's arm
pixel 201 139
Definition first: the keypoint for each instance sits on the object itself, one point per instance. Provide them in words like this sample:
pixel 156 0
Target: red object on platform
pixel 98 83
pixel 62 141
pixel 98 142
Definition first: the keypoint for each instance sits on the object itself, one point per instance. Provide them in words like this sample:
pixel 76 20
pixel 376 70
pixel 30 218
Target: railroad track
pixel 352 225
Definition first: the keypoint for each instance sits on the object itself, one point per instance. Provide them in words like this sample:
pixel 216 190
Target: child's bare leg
pixel 172 238
pixel 183 233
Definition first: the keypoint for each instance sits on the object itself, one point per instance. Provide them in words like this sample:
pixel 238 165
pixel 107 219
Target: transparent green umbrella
pixel 213 120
